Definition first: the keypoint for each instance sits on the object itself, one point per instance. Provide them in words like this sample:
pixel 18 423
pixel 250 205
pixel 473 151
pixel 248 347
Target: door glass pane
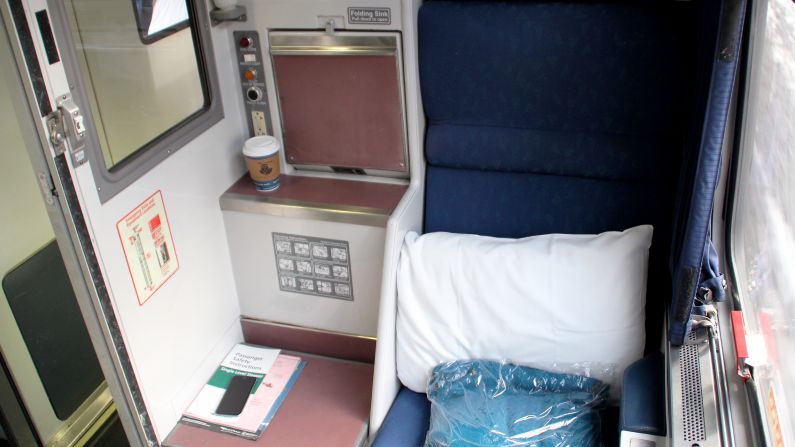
pixel 44 343
pixel 763 233
pixel 25 226
pixel 140 66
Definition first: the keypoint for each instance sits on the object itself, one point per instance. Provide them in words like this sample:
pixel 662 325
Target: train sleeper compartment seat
pixel 576 118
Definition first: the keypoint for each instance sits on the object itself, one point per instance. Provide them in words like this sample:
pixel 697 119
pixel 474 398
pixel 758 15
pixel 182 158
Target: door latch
pixel 45 182
pixel 67 126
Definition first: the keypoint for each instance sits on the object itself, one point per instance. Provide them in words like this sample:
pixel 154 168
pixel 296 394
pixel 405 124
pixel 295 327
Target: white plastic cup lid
pixel 261 146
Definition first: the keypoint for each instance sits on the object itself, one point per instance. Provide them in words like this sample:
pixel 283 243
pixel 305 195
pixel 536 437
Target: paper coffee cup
pixel 262 158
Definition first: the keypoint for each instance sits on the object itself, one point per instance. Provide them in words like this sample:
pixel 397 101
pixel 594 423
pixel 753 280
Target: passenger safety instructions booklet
pixel 245 391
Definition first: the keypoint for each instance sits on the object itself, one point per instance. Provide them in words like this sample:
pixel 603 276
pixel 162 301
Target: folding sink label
pixel 370 16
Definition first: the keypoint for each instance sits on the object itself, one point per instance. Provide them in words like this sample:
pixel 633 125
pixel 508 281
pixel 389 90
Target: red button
pixel 245 42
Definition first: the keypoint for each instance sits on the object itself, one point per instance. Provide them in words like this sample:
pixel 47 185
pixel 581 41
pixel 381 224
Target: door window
pixel 159 18
pixel 44 344
pixel 143 73
pixel 138 89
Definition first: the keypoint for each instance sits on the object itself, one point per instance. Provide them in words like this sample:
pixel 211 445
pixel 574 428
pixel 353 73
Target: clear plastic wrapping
pixel 486 403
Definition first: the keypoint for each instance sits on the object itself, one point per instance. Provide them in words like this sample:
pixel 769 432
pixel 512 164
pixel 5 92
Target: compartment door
pixel 114 91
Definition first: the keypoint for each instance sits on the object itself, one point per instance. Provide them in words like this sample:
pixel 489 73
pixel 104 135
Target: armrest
pixel 407 422
pixel 643 396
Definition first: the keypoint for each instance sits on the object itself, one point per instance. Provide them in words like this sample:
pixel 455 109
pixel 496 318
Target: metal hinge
pixel 740 346
pixel 66 126
pixel 750 348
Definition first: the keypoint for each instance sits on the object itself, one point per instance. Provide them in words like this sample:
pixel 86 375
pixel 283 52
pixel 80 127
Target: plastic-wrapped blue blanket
pixel 487 403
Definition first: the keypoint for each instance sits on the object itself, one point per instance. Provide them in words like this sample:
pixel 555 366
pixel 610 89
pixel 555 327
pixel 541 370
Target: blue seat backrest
pixel 559 118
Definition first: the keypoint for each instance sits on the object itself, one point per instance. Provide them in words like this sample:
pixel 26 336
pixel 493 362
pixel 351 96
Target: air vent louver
pixel 692 399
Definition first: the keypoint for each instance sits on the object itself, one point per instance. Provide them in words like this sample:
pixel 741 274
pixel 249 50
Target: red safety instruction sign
pixel 148 246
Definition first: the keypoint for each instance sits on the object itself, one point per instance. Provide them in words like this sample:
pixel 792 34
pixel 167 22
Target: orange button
pixel 250 75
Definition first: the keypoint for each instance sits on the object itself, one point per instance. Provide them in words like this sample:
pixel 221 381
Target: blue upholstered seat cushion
pixel 481 403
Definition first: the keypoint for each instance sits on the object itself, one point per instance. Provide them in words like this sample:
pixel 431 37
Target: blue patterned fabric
pixel 507 149
pixel 693 260
pixel 481 403
pixel 551 92
pixel 577 67
pixel 507 204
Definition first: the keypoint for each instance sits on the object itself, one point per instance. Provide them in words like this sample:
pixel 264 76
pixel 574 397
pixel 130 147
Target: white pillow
pixel 541 300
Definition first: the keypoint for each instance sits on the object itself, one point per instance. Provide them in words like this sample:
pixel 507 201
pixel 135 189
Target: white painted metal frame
pixel 329 42
pixel 408 216
pixel 308 15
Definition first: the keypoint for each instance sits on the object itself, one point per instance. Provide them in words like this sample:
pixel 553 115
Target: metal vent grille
pixel 693 403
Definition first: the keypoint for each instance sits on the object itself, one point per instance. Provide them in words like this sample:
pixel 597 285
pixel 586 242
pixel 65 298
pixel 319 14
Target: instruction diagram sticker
pixel 369 16
pixel 313 266
pixel 145 236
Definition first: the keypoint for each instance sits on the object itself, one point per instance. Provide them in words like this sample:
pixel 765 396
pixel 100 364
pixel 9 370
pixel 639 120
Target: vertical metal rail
pixel 711 323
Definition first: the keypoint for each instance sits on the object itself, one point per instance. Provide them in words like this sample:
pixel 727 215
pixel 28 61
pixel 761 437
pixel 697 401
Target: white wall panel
pixel 258 284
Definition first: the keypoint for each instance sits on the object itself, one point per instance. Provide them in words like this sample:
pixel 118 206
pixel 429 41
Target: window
pixel 763 220
pixel 159 18
pixel 146 80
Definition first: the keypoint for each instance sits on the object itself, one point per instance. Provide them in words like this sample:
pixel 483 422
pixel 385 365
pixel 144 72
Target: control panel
pixel 252 81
